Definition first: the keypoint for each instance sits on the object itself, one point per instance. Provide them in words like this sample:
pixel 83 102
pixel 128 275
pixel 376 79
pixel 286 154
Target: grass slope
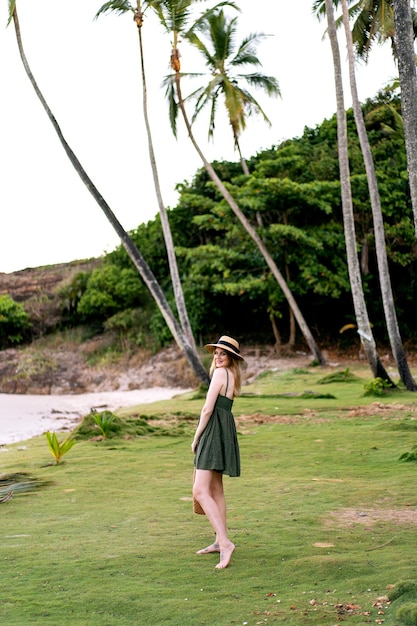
pixel 324 516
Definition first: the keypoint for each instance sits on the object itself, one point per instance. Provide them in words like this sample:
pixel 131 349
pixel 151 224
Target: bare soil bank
pixel 66 369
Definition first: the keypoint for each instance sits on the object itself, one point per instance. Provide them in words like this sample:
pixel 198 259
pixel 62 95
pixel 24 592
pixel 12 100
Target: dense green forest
pixel 292 197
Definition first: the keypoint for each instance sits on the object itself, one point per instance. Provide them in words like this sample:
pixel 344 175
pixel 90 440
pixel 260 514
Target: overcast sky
pixel 88 71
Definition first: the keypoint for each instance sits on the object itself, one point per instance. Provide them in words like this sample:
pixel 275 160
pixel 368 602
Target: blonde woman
pixel 215 443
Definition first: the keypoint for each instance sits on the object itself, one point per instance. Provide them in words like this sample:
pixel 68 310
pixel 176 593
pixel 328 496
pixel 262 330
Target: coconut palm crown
pixel 224 59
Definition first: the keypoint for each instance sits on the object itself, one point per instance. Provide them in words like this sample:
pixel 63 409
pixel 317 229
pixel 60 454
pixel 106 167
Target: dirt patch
pixel 377 408
pixel 371 516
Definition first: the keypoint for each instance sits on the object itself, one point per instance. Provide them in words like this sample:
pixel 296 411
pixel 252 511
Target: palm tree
pixel 374 22
pixel 134 254
pixel 364 327
pixel 122 7
pixel 225 63
pixel 408 83
pixel 174 16
pixel 394 20
pixel 379 233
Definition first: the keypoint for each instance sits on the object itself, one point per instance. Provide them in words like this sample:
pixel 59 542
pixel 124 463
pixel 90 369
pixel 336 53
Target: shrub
pixel 401 588
pixel 104 421
pixel 14 322
pixel 407 614
pixel 377 387
pixel 409 456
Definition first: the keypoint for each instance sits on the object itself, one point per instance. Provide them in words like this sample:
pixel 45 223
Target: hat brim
pixel 211 347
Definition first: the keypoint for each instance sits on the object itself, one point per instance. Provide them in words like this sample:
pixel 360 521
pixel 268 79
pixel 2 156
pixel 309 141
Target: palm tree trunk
pixel 134 254
pixel 361 313
pixel 404 39
pixel 381 253
pixel 250 230
pixel 169 244
pixel 291 337
pixel 241 158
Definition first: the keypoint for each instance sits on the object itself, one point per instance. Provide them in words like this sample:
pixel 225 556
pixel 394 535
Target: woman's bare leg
pixel 208 489
pixel 217 493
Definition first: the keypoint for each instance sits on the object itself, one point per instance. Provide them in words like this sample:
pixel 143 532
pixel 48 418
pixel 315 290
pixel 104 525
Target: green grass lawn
pixel 323 517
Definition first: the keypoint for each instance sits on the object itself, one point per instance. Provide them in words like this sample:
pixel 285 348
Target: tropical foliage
pixel 295 187
pixel 58 448
pixel 14 322
pixel 290 238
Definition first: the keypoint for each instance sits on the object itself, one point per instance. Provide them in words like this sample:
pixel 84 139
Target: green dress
pixel 218 447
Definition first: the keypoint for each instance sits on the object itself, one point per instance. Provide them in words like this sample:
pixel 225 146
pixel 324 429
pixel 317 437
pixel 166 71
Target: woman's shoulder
pixel 220 374
pixel 223 378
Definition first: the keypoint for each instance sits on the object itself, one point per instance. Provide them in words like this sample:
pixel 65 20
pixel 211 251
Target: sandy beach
pixel 26 416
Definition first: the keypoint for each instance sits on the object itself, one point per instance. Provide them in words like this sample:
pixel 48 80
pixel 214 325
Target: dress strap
pixel 227 383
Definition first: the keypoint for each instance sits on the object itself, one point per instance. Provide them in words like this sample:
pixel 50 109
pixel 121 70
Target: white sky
pixel 89 73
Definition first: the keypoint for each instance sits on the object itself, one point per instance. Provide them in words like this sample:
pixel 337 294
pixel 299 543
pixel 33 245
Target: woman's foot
pixel 213 548
pixel 225 556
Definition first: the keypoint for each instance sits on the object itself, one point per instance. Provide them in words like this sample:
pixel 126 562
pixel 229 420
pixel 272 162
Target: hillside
pixel 62 365
pixel 65 368
pixel 37 281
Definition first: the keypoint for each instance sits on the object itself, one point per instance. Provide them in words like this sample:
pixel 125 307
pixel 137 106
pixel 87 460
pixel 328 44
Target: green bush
pixel 409 456
pixel 104 421
pixel 377 387
pixel 407 614
pixel 401 588
pixel 14 322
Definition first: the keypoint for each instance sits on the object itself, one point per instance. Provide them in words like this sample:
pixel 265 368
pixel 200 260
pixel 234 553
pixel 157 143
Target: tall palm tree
pixel 379 233
pixel 408 83
pixel 361 313
pixel 396 21
pixel 174 16
pixel 138 11
pixel 134 254
pixel 226 63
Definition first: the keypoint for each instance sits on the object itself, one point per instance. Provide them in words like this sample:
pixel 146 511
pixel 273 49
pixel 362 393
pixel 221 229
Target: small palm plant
pixel 104 421
pixel 57 448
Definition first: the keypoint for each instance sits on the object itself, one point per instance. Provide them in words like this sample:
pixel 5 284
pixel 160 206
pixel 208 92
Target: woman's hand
pixel 194 446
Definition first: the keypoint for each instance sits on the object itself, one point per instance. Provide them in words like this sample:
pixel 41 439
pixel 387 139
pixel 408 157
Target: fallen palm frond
pixel 19 482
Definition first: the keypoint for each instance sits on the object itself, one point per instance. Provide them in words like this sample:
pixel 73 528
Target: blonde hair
pixel 234 365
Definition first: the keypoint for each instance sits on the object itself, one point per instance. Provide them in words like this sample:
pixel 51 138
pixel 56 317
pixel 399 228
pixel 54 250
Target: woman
pixel 215 443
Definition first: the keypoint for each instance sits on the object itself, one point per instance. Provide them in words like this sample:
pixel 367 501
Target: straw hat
pixel 228 344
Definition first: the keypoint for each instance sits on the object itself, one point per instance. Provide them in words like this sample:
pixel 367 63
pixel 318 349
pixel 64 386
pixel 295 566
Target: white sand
pixel 26 416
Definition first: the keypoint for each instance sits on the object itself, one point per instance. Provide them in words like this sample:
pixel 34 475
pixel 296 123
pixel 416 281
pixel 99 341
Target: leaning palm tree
pixel 174 16
pixel 134 254
pixel 379 233
pixel 361 313
pixel 122 7
pixel 226 63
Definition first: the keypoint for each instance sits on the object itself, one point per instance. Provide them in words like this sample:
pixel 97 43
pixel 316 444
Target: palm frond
pixel 20 482
pixel 12 6
pixel 201 22
pixel 115 6
pixel 174 15
pixel 247 53
pixel 169 83
pixel 269 84
pixel 195 41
